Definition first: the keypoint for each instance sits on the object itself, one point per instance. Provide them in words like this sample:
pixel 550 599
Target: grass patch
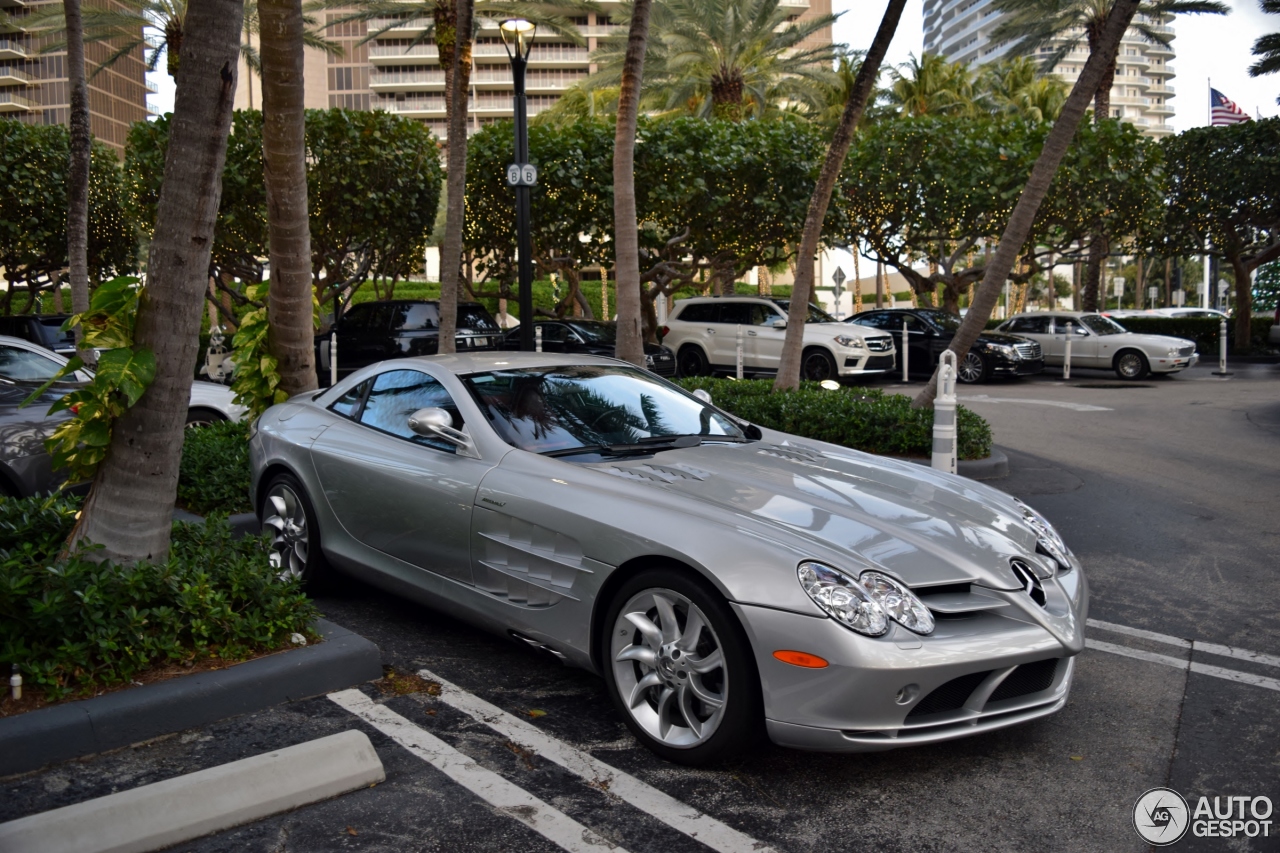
pixel 75 627
pixel 864 419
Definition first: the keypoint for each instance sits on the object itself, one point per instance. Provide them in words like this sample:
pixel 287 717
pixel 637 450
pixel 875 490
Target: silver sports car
pixel 721 577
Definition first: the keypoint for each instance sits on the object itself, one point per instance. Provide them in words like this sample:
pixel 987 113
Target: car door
pixel 1084 344
pixel 734 317
pixel 394 491
pixel 555 337
pixel 765 336
pixel 919 342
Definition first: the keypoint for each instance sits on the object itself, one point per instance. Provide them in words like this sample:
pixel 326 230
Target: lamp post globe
pixel 517 38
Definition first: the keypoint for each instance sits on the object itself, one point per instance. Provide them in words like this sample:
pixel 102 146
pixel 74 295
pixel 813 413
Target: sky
pixel 1207 46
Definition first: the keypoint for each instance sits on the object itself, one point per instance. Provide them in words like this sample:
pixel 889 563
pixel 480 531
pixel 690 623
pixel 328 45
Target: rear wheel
pixel 817 365
pixel 692 361
pixel 295 539
pixel 198 417
pixel 972 368
pixel 680 669
pixel 1131 364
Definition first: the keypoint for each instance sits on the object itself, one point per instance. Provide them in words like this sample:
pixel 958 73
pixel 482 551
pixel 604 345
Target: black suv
pixel 592 337
pixel 41 329
pixel 931 330
pixel 375 331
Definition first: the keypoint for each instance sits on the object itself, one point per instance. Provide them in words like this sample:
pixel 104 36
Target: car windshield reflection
pixel 550 410
pixel 1100 325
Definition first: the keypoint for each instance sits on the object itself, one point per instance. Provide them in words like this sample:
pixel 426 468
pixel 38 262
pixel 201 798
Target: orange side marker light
pixel 803 659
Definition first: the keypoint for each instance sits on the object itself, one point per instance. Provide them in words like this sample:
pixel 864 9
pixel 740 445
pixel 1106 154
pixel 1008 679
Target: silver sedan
pixel 724 579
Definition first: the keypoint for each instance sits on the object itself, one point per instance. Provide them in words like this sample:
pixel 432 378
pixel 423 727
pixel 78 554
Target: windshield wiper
pixel 652 444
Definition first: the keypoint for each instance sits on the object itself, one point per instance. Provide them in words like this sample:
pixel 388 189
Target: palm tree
pixel 626 230
pixel 725 58
pixel 932 86
pixel 1267 48
pixel 1016 86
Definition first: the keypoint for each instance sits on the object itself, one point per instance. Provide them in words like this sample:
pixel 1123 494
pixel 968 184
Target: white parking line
pixel 1139 632
pixel 1197 645
pixel 672 812
pixel 1061 404
pixel 1179 663
pixel 549 822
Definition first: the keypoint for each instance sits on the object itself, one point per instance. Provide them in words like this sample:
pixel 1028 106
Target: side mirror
pixel 433 422
pixel 779 324
pixel 703 396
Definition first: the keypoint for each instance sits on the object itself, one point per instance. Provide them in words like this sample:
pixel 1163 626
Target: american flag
pixel 1222 110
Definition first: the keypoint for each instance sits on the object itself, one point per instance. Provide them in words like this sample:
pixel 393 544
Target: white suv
pixel 703 333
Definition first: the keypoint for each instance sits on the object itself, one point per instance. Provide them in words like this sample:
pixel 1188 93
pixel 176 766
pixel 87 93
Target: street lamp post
pixel 517 38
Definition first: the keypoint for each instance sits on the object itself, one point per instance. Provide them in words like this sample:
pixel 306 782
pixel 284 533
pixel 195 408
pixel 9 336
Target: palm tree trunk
pixel 626 231
pixel 78 169
pixel 1024 212
pixel 1244 303
pixel 284 160
pixel 455 207
pixel 1099 244
pixel 129 509
pixel 793 343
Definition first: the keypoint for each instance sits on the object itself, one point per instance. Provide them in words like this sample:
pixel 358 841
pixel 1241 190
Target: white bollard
pixel 739 373
pixel 1066 364
pixel 537 339
pixel 905 349
pixel 1222 349
pixel 333 359
pixel 944 415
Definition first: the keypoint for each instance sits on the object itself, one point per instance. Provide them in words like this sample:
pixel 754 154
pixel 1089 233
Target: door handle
pixel 752 334
pixel 711 331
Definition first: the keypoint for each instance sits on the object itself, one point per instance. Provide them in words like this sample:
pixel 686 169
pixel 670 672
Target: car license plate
pixel 480 342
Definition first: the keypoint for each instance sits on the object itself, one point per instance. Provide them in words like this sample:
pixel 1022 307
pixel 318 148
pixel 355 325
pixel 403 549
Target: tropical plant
pixel 1016 86
pixel 130 504
pixel 932 86
pixel 1267 47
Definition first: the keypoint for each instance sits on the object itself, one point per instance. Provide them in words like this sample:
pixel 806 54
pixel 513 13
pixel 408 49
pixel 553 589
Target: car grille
pixel 661 363
pixel 875 362
pixel 883 344
pixel 1029 350
pixel 1186 352
pixel 1026 679
pixel 1023 681
pixel 950 696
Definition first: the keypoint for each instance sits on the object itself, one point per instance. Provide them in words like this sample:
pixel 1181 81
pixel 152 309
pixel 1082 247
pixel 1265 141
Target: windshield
pixel 816 314
pixel 559 408
pixel 1100 325
pixel 941 319
pixel 597 333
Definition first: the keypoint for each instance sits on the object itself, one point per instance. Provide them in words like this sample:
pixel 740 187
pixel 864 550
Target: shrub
pixel 73 625
pixel 863 418
pixel 1202 330
pixel 214 474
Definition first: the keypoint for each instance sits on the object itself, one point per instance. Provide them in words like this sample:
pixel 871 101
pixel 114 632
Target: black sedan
pixel 930 331
pixel 592 337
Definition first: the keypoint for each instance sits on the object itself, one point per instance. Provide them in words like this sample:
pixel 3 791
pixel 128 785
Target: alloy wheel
pixel 290 540
pixel 970 368
pixel 817 367
pixel 669 667
pixel 1130 365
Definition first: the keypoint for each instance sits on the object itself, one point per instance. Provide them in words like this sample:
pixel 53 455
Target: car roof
pixel 693 299
pixel 22 343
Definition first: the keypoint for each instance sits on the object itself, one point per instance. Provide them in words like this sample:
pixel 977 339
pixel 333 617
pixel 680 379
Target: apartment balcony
pixel 12 102
pixel 1166 91
pixel 482 77
pixel 153 108
pixel 1161 109
pixel 10 76
pixel 543 56
pixel 12 49
pixel 151 87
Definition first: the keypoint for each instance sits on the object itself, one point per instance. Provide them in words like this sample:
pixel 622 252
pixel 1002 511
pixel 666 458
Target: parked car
pixel 1097 341
pixel 703 334
pixel 25 467
pixel 1192 313
pixel 42 329
pixel 930 332
pixel 722 578
pixel 592 337
pixel 398 328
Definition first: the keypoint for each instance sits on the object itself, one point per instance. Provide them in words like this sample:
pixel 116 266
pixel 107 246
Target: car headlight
pixel 866 604
pixel 850 342
pixel 1173 352
pixel 1006 351
pixel 1048 541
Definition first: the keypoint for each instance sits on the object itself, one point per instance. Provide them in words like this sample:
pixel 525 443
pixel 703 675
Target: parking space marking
pixel 1139 632
pixel 1193 666
pixel 1061 404
pixel 1140 654
pixel 1197 645
pixel 504 796
pixel 675 814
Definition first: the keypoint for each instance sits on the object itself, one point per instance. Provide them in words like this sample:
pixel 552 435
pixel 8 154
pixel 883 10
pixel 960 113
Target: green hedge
pixel 73 625
pixel 1202 330
pixel 213 476
pixel 862 418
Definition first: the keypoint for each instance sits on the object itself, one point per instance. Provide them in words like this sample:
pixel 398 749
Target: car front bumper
pixel 868 363
pixel 973 674
pixel 1173 365
pixel 1001 366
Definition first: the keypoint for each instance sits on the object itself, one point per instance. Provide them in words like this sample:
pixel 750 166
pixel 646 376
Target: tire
pixel 817 365
pixel 1131 365
pixel 691 361
pixel 295 542
pixel 200 416
pixel 655 679
pixel 972 369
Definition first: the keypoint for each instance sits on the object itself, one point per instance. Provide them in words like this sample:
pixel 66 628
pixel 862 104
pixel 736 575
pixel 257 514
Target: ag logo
pixel 1161 816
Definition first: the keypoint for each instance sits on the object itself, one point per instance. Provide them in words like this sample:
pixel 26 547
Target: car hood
pixel 834 329
pixel 854 509
pixel 1139 339
pixel 1000 338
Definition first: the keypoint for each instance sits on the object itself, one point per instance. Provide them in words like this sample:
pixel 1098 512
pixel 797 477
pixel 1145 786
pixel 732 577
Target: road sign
pixel 1117 286
pixel 1179 298
pixel 1222 287
pixel 838 276
pixel 522 175
pixel 1152 293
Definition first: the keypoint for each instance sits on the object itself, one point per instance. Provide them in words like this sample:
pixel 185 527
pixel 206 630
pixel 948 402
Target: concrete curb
pixel 31 740
pixel 994 467
pixel 155 816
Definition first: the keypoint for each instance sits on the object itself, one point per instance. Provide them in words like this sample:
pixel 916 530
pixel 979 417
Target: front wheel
pixel 1131 364
pixel 817 365
pixel 295 539
pixel 972 368
pixel 680 670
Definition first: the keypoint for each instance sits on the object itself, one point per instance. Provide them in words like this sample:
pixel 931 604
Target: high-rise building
pixel 393 73
pixel 34 89
pixel 960 30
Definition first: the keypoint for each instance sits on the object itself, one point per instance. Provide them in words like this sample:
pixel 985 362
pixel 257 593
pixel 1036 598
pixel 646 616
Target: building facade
pixel 960 30
pixel 34 88
pixel 393 73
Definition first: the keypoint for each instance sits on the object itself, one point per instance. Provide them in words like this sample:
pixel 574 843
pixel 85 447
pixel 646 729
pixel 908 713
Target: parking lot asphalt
pixel 1168 490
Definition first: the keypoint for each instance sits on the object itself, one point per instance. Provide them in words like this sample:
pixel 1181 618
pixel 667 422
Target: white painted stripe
pixel 1240 654
pixel 1139 632
pixel 1150 657
pixel 672 812
pixel 1236 675
pixel 1060 404
pixel 549 822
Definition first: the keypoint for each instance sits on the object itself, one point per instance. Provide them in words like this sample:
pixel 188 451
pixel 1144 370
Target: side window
pixel 763 315
pixel 415 317
pixel 1031 325
pixel 396 395
pixel 875 321
pixel 349 403
pixel 357 318
pixel 702 312
pixel 735 313
pixel 20 365
pixel 915 324
pixel 553 333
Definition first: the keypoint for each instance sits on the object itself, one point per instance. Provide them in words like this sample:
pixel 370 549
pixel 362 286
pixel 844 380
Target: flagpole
pixel 1208 81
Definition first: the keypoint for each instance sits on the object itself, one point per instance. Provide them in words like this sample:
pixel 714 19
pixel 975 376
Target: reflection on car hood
pixel 1000 338
pixel 874 512
pixel 1141 339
